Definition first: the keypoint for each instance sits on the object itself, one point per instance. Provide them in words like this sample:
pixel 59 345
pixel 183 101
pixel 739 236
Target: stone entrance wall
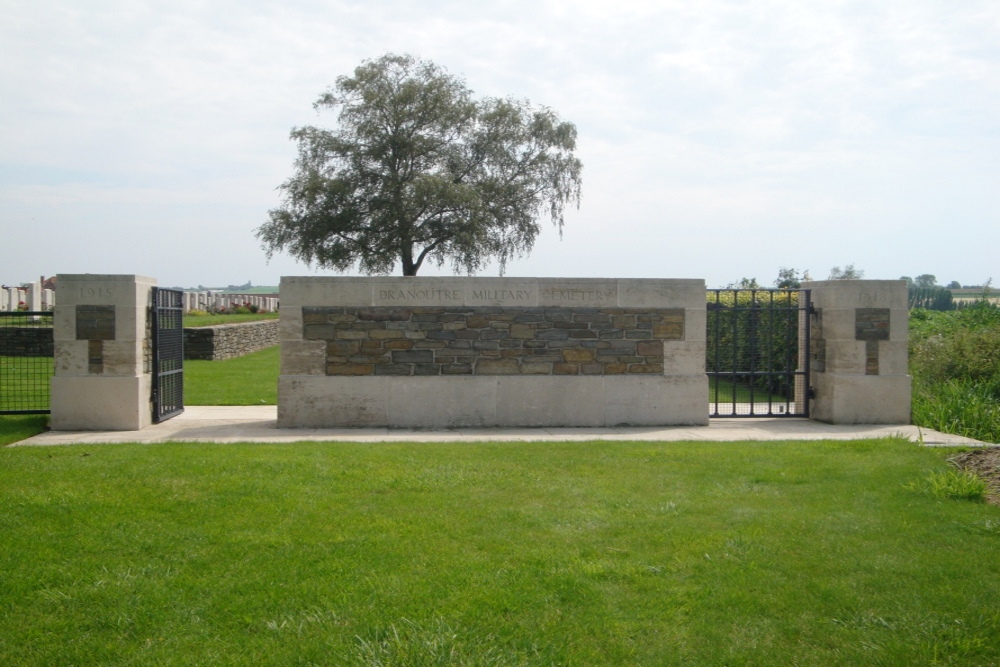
pixel 444 352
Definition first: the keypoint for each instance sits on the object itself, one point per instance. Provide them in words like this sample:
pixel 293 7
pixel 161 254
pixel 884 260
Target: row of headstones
pixel 33 298
pixel 211 301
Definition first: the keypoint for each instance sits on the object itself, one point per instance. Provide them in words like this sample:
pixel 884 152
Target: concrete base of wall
pixel 862 399
pixel 91 403
pixel 490 401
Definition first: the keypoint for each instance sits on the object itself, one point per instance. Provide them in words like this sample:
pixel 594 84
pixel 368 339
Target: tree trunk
pixel 409 266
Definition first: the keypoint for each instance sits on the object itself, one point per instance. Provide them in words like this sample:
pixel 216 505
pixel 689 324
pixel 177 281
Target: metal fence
pixel 26 363
pixel 757 363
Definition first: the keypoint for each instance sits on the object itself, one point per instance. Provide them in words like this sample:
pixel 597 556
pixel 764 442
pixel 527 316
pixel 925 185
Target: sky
pixel 720 139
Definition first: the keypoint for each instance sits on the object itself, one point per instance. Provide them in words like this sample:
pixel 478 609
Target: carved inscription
pixel 581 295
pixel 97 292
pixel 519 295
pixel 419 294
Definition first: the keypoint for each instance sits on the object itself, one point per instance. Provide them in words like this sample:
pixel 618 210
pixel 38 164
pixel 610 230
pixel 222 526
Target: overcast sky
pixel 720 140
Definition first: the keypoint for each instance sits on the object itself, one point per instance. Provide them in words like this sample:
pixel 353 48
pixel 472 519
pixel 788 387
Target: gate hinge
pixel 811 393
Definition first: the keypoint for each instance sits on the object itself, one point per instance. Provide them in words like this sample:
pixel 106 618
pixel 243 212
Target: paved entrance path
pixel 259 424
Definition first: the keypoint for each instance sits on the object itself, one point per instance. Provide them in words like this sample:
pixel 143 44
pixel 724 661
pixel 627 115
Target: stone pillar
pixel 858 352
pixel 102 347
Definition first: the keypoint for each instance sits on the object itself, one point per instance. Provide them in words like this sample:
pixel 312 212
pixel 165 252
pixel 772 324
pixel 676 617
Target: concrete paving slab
pixel 228 424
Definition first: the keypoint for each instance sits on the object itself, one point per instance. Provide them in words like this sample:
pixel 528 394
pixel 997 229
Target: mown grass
pixel 214 320
pixel 14 428
pixel 495 554
pixel 248 380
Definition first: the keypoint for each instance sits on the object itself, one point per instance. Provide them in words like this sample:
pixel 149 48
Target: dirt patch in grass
pixel 986 464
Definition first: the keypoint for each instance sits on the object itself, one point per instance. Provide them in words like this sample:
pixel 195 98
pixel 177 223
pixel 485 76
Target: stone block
pixel 668 293
pixel 441 402
pixel 655 400
pixel 100 403
pixel 861 399
pixel 297 291
pixel 550 401
pixel 318 402
pixel 578 356
pixel 497 367
pixel 858 293
pixel 650 348
pixel 343 348
pixel 684 358
pixel 289 323
pixel 413 356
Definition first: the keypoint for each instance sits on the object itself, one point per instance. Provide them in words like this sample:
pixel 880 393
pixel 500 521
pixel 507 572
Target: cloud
pixel 836 126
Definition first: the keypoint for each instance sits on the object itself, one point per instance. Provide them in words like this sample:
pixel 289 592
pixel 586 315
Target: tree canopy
pixel 846 273
pixel 419 170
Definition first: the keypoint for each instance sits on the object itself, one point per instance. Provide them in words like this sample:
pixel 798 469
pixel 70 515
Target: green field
pixel 819 553
pixel 215 320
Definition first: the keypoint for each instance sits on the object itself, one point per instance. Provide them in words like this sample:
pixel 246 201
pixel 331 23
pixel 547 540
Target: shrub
pixel 955 363
pixel 954 484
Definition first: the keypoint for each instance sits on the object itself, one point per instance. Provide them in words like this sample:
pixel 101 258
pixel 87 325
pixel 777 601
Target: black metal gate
pixel 26 362
pixel 758 361
pixel 168 353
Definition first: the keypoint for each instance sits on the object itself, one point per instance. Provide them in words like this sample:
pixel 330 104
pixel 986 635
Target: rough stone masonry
pixel 492 340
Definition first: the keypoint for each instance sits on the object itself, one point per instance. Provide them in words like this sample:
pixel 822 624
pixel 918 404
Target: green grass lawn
pixel 213 320
pixel 819 553
pixel 248 380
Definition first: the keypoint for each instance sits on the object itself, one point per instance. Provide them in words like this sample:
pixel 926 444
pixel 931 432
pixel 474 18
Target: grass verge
pixel 496 554
pixel 14 428
pixel 214 320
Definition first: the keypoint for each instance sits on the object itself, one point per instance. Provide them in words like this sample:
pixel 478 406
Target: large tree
pixel 419 170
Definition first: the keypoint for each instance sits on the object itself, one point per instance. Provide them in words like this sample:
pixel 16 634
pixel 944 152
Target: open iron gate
pixel 758 361
pixel 168 353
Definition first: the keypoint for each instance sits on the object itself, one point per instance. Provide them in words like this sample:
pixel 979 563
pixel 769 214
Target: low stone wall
pixel 444 352
pixel 225 341
pixel 26 342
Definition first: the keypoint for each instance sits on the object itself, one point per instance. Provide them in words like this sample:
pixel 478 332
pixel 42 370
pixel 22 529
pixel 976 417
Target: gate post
pixel 858 352
pixel 102 353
